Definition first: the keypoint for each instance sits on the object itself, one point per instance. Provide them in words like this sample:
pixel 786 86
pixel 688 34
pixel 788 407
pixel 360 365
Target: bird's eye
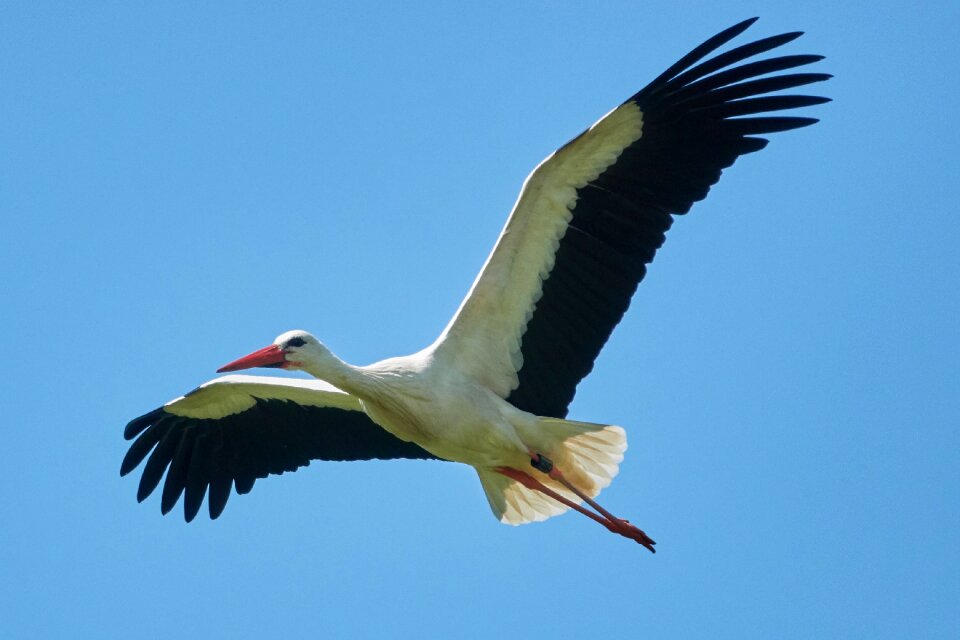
pixel 296 342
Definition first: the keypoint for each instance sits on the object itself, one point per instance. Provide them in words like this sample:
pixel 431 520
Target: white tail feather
pixel 588 454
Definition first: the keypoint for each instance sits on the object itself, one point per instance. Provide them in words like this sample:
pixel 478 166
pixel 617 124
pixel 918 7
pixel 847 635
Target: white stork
pixel 493 390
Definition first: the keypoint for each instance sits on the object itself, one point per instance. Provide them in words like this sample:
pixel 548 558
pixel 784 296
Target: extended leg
pixel 623 527
pixel 612 524
pixel 619 525
pixel 532 483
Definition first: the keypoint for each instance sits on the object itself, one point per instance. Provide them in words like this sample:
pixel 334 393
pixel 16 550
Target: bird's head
pixel 291 350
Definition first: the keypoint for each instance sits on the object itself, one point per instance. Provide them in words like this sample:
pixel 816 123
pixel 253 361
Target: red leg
pixel 623 527
pixel 616 525
pixel 532 483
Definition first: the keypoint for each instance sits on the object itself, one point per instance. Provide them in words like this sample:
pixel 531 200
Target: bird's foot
pixel 627 530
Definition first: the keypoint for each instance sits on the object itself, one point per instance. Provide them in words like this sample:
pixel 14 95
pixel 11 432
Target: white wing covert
pixel 592 215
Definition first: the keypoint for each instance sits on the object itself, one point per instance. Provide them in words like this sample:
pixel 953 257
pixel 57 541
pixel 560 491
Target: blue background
pixel 181 183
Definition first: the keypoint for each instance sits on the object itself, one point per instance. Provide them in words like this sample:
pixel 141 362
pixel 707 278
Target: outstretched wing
pixel 592 215
pixel 235 429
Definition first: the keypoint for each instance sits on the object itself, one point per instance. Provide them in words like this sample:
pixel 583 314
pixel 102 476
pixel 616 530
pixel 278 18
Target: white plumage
pixel 493 390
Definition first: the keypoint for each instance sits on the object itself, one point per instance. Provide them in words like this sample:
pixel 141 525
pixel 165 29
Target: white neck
pixel 321 363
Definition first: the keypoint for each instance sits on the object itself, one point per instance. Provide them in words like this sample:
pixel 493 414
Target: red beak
pixel 272 356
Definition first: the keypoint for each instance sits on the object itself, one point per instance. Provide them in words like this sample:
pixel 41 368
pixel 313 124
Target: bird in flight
pixel 493 390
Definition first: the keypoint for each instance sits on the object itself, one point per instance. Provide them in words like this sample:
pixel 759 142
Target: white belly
pixel 470 425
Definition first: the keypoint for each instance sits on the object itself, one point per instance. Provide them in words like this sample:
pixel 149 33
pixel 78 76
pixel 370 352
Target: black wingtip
pixel 137 425
pixel 767 124
pixel 705 48
pixel 785 38
pixel 736 29
pixel 128 464
pixel 730 33
pixel 192 501
pixel 218 495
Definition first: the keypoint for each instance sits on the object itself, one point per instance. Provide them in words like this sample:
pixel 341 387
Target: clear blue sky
pixel 179 184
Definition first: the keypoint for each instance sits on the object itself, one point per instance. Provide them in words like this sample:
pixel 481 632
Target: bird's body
pixel 424 400
pixel 493 390
pixel 443 411
pixel 447 414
